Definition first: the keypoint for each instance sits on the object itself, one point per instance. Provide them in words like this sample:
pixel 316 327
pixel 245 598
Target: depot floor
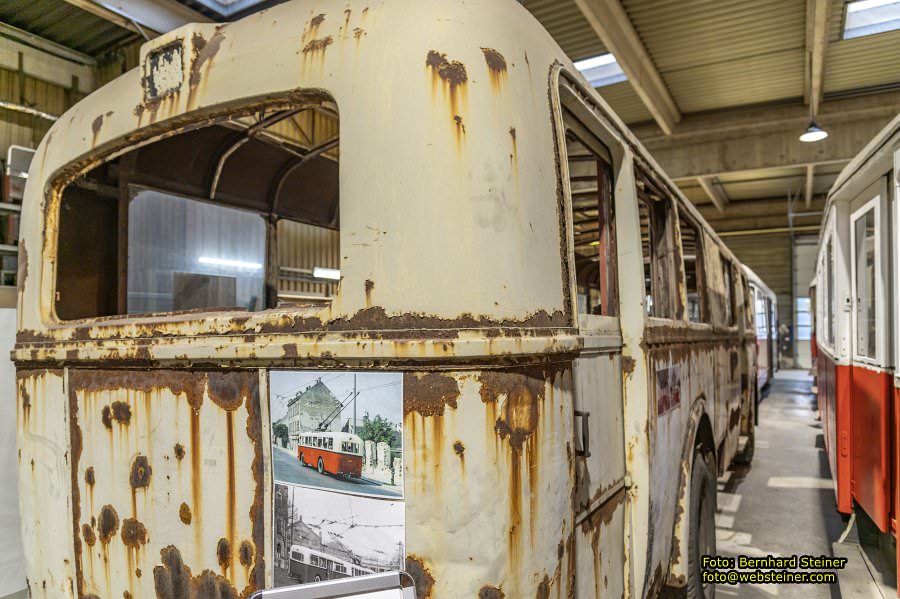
pixel 783 504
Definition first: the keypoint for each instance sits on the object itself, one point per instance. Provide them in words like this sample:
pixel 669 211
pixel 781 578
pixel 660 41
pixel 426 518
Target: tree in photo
pixel 281 433
pixel 377 429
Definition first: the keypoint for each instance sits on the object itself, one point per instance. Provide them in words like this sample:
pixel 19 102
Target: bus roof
pixel 464 90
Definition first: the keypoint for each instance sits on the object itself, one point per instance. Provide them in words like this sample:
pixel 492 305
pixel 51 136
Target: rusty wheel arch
pixel 698 436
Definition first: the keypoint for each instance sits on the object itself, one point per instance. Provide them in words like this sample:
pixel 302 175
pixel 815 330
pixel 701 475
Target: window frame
pixel 567 92
pixel 700 267
pixel 307 99
pixel 875 206
pixel 666 205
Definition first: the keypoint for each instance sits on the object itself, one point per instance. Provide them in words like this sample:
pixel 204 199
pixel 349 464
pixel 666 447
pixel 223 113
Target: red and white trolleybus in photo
pixel 856 335
pixel 331 453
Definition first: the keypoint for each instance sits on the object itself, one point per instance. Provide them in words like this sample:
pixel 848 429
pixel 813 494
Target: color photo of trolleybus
pixel 331 453
pixel 428 189
pixel 857 332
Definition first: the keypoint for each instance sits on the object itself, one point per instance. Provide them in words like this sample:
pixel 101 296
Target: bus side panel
pixel 834 407
pixel 169 478
pixel 489 475
pixel 44 483
pixel 870 441
pixel 600 477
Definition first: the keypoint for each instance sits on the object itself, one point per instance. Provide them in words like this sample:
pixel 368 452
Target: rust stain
pixel 87 533
pixel 369 286
pixel 489 592
pixel 174 580
pixel 203 53
pixel 223 554
pixel 121 412
pixel 245 554
pixel 497 69
pixel 358 32
pixel 26 398
pixel 134 533
pixel 628 365
pixel 228 389
pixel 459 448
pixel 140 472
pixel 179 451
pixel 421 575
pixel 318 45
pixel 184 512
pixel 89 476
pixel 107 524
pixel 428 393
pixel 451 74
pixel 543 590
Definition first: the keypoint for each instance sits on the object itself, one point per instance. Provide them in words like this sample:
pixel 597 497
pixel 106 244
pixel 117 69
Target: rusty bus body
pixel 558 403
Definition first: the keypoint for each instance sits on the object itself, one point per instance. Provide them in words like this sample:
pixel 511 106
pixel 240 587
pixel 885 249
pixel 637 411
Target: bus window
pixel 828 313
pixel 728 288
pixel 241 214
pixel 694 281
pixel 657 242
pixel 593 219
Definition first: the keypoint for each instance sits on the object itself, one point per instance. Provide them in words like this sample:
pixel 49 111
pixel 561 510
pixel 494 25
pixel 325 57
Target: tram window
pixel 728 288
pixel 593 219
pixel 241 214
pixel 829 293
pixel 864 235
pixel 654 209
pixel 762 320
pixel 694 283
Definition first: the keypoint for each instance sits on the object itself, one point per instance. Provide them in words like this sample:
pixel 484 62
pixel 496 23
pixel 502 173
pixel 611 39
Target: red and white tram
pixel 765 308
pixel 857 324
pixel 331 453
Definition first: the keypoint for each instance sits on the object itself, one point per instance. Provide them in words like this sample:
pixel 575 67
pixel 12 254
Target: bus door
pixel 870 380
pixel 599 500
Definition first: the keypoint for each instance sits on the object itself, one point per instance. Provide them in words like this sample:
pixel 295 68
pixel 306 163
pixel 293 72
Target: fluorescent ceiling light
pixel 331 274
pixel 601 70
pixel 868 17
pixel 229 263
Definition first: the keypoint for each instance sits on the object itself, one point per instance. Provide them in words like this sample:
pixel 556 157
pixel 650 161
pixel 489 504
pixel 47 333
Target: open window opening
pixel 657 246
pixel 593 219
pixel 242 214
pixel 694 275
pixel 728 292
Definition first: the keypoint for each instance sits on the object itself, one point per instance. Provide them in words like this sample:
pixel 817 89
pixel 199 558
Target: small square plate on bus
pixel 163 71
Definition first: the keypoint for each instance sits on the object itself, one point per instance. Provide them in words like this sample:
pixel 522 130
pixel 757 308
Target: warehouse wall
pixel 770 257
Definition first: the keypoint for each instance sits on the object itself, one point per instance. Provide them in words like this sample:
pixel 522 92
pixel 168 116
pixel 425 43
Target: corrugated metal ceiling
pixel 564 21
pixel 60 22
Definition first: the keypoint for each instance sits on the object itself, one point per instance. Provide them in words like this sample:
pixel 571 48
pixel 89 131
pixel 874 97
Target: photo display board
pixel 337 456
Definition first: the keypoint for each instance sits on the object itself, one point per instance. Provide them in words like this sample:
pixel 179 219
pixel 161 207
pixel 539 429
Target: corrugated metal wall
pixel 306 246
pixel 770 257
pixel 25 130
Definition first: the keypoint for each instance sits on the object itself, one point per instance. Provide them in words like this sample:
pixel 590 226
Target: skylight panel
pixel 868 17
pixel 601 70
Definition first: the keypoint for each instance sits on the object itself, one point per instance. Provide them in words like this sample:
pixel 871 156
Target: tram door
pixel 599 431
pixel 871 382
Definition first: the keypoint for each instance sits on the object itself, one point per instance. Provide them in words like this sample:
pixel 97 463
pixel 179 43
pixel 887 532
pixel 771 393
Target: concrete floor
pixel 783 504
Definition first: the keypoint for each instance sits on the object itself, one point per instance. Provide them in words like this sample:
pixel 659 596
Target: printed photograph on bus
pixel 339 431
pixel 323 535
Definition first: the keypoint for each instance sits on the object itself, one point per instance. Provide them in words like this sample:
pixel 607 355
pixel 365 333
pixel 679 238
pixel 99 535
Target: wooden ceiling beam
pixel 715 192
pixel 818 18
pixel 615 29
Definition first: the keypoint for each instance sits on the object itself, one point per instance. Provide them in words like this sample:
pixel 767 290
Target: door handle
pixel 585 450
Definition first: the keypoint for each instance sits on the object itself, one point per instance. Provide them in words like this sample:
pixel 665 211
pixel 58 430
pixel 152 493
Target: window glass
pixel 762 319
pixel 593 220
pixel 804 319
pixel 830 293
pixel 864 237
pixel 694 283
pixel 184 254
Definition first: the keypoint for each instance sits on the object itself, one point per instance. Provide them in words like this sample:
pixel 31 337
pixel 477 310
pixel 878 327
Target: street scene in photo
pixel 339 431
pixel 321 535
